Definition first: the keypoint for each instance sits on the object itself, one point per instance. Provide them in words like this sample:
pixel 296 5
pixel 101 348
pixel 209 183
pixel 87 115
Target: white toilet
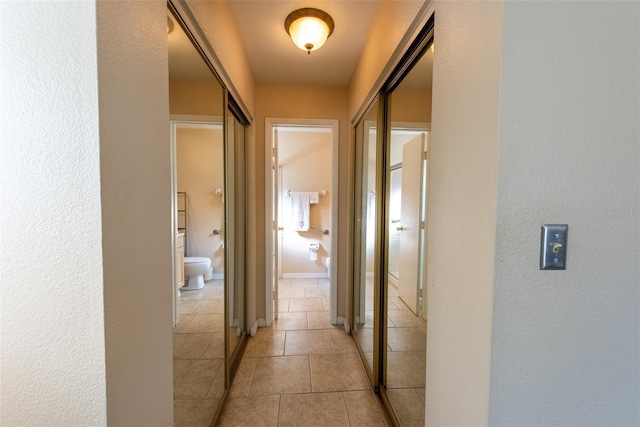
pixel 327 262
pixel 194 269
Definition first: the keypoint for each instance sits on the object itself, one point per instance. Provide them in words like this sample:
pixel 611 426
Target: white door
pixel 274 222
pixel 411 208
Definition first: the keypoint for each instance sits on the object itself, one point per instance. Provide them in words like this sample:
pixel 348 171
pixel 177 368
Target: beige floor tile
pixel 341 342
pixel 337 372
pixel 308 304
pixel 408 406
pixel 194 412
pixel 283 305
pixel 188 323
pixel 243 378
pixel 421 393
pixel 216 391
pixel 317 409
pixel 307 342
pixel 365 338
pixel 406 339
pixel 316 293
pixel 190 346
pixel 211 306
pixel 291 292
pixel 291 321
pixel 187 306
pixel 319 320
pixel 281 375
pixel 267 342
pixel 363 409
pixel 193 378
pixel 405 319
pixel 405 370
pixel 212 323
pixel 215 348
pixel 326 304
pixel 254 411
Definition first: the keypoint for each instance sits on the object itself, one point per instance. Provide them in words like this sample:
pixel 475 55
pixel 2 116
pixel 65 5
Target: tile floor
pixel 302 371
pixel 198 352
pixel 406 355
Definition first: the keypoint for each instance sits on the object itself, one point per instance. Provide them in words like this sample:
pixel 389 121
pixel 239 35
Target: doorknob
pixel 399 228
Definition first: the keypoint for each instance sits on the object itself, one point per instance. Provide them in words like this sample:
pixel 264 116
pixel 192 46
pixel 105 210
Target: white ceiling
pixel 275 59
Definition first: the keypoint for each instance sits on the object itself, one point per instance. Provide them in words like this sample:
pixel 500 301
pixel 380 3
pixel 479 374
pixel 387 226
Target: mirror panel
pixel 405 353
pixel 196 102
pixel 365 234
pixel 236 197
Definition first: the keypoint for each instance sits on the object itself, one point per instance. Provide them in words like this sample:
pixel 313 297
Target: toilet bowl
pixel 194 269
pixel 327 262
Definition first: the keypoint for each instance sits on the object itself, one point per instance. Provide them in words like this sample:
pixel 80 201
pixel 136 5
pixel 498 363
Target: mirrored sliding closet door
pixel 209 194
pixel 389 299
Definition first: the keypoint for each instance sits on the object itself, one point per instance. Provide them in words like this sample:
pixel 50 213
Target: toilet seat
pixel 194 259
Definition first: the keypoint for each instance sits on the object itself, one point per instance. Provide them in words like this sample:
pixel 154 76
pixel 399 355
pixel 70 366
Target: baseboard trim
pixel 305 275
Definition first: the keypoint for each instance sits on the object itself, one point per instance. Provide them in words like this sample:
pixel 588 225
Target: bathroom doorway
pixel 302 202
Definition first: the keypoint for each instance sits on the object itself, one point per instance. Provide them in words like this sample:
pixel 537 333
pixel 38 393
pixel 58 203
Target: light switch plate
pixel 553 247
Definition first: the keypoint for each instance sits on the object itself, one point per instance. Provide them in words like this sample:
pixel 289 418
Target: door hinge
pixel 425 155
pixel 422 225
pixel 274 151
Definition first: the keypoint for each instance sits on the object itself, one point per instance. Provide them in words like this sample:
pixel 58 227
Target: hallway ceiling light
pixel 309 28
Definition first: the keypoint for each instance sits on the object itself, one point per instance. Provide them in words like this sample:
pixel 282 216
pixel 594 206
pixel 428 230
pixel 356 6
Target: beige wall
pixel 305 161
pixel 461 210
pixel 199 170
pixel 216 22
pixel 393 21
pixel 136 211
pixel 304 102
pixel 196 97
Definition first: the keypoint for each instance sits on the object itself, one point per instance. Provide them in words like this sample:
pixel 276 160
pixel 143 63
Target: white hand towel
pixel 314 197
pixel 300 211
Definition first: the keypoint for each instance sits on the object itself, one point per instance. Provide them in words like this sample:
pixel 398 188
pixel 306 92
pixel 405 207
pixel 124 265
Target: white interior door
pixel 411 208
pixel 274 223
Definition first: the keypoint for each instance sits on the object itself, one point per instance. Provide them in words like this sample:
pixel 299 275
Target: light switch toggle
pixel 553 247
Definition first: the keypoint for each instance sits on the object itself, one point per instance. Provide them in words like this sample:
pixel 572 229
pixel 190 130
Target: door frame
pixel 332 124
pixel 175 120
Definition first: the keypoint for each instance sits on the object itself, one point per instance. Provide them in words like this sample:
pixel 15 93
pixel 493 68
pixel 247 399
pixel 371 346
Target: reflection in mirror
pixel 196 102
pixel 405 355
pixel 235 190
pixel 365 233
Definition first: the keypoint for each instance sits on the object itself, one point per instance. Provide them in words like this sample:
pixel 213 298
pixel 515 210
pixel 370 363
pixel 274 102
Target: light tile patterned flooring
pixel 198 351
pixel 302 371
pixel 406 355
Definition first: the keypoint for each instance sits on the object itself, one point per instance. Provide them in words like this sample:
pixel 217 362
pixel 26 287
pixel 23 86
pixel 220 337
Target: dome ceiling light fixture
pixel 309 28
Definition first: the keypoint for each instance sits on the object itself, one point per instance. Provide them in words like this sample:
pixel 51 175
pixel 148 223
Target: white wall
pixel 51 336
pixel 305 162
pixel 461 218
pixel 136 209
pixel 566 345
pixel 200 171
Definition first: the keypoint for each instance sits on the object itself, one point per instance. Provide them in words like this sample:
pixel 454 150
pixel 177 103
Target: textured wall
pixel 136 209
pixel 566 345
pixel 461 219
pixel 51 330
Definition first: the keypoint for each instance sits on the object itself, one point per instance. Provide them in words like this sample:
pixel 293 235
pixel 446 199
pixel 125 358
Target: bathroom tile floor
pixel 198 355
pixel 302 371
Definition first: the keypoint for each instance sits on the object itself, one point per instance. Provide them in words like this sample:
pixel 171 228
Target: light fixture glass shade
pixel 309 28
